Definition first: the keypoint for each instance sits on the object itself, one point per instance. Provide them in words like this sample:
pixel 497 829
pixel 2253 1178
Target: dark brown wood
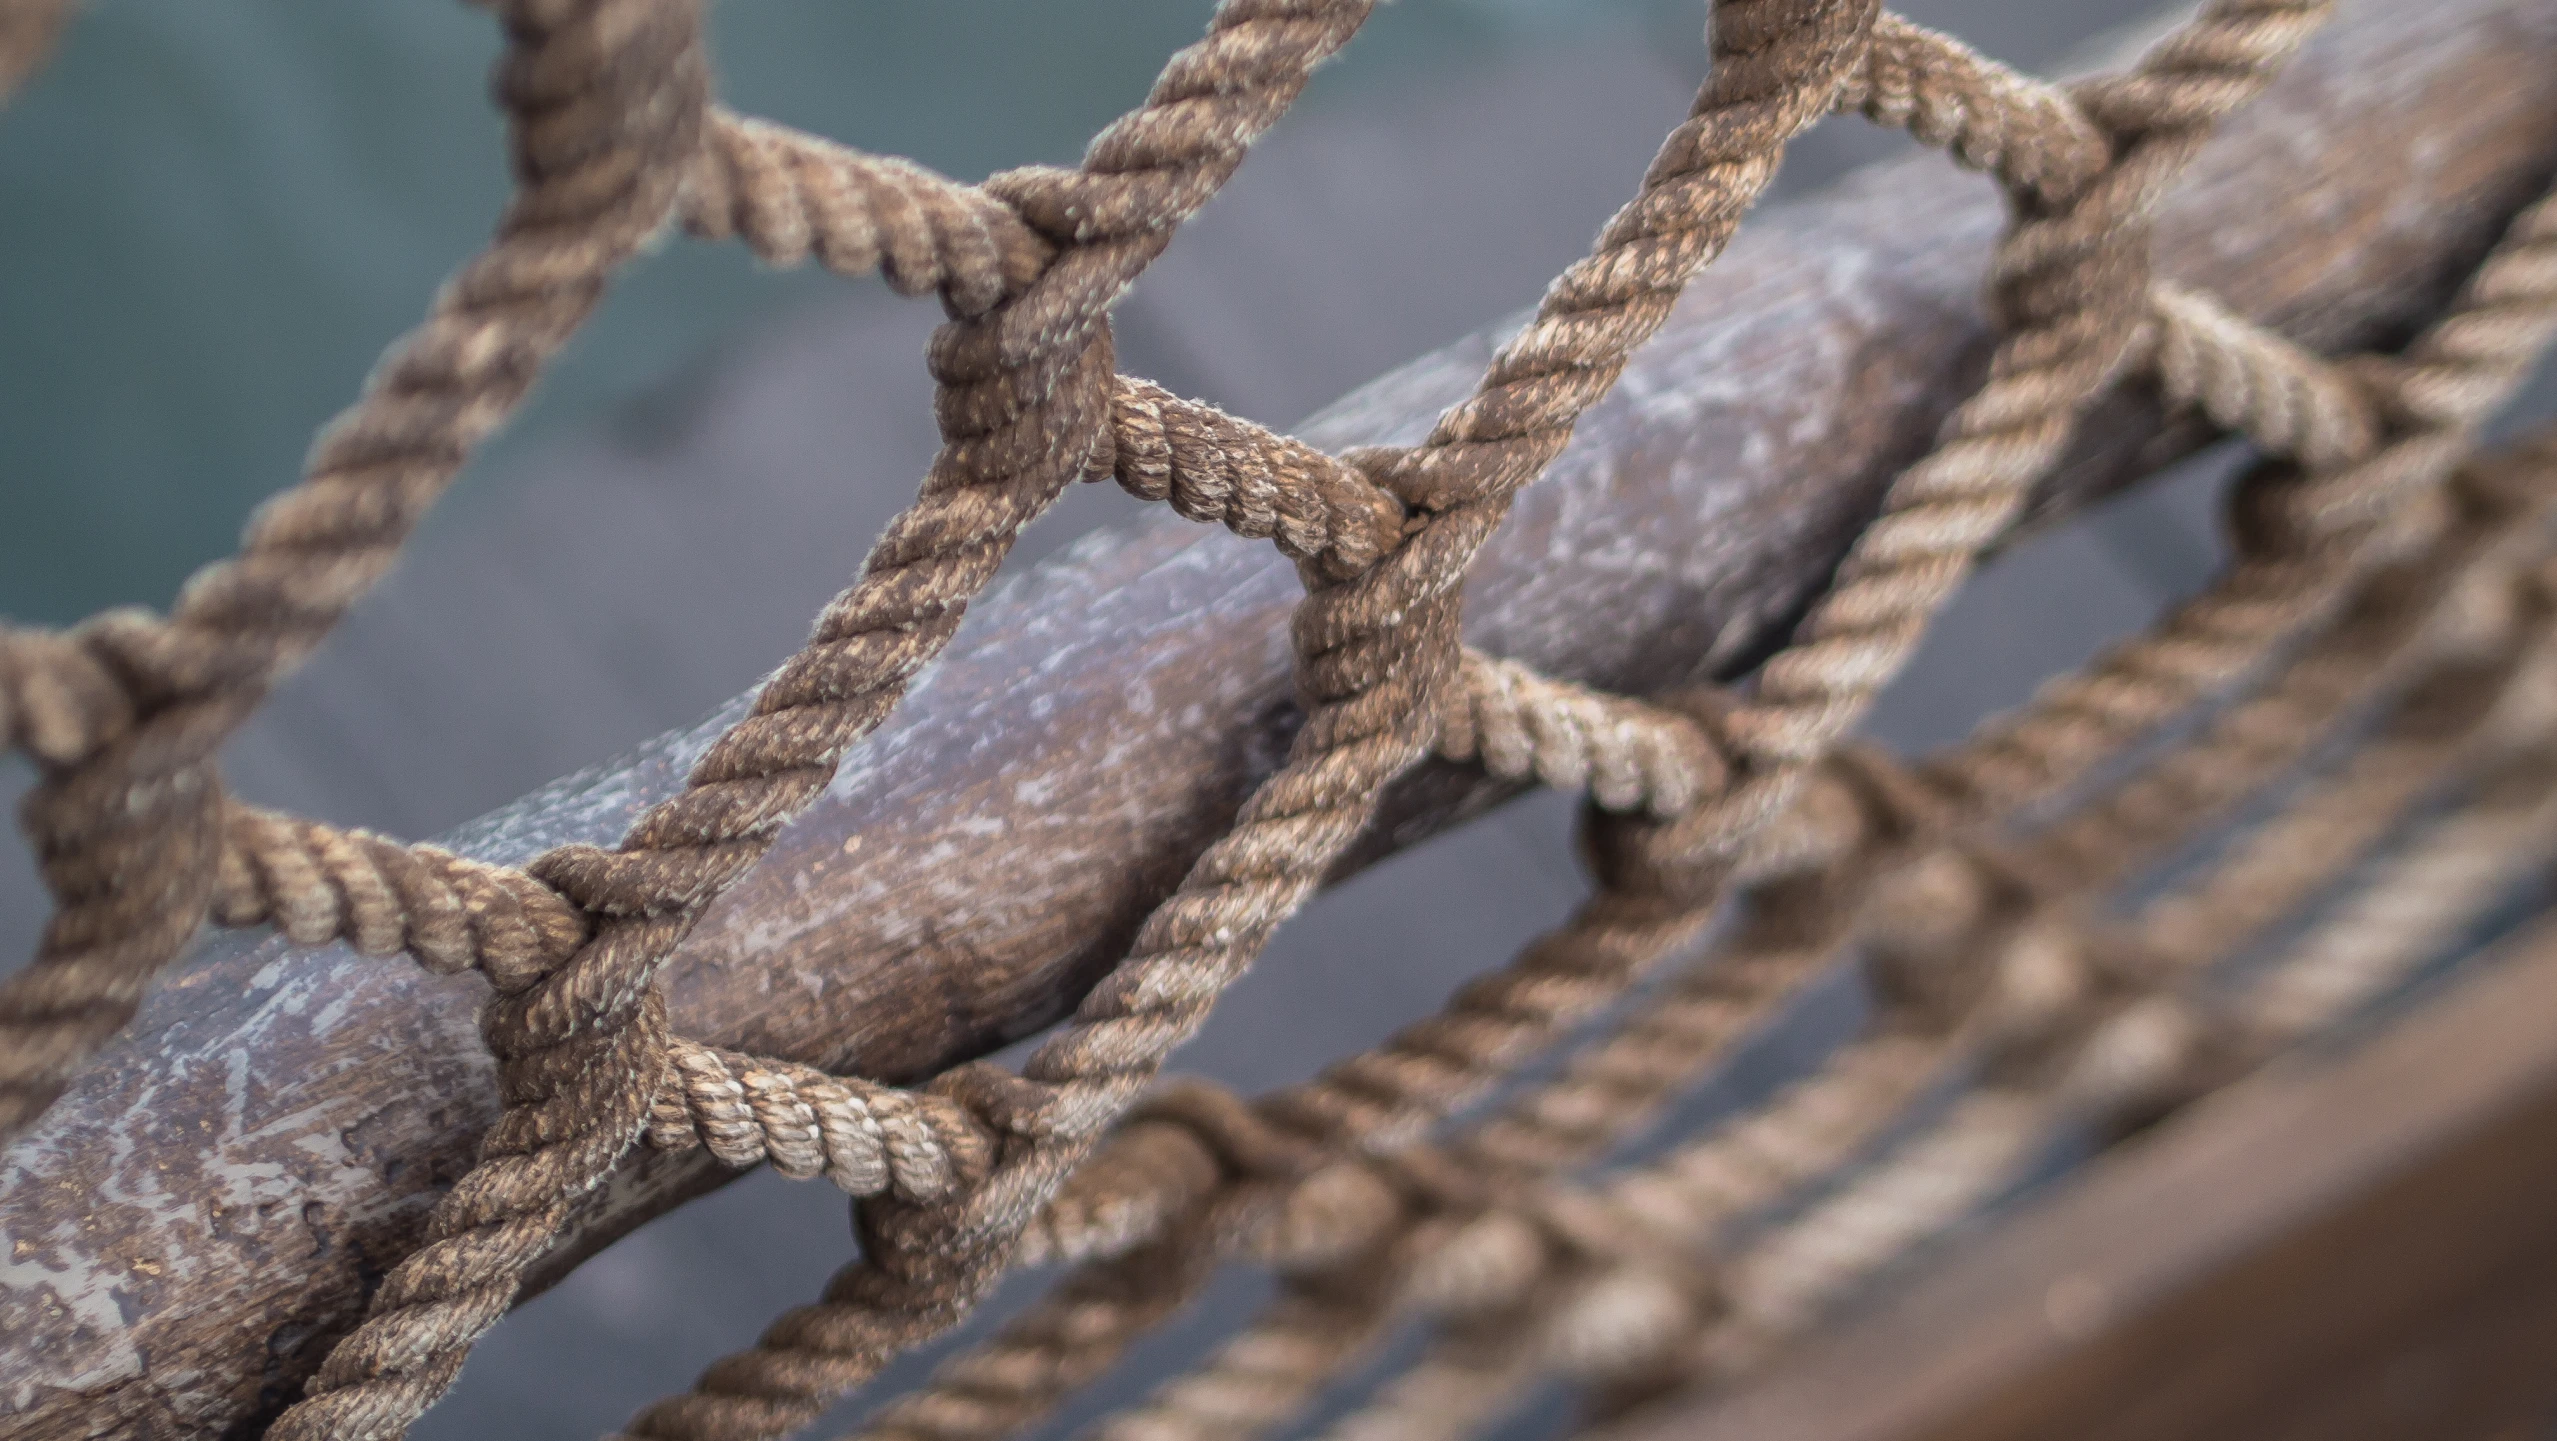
pixel 2360 1248
pixel 206 1206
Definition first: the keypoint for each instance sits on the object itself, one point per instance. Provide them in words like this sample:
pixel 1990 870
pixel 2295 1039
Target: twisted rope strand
pixel 2295 575
pixel 867 1138
pixel 1373 652
pixel 2253 382
pixel 1039 360
pixel 2068 284
pixel 1813 1127
pixel 315 883
pixel 1160 1168
pixel 1630 755
pixel 793 197
pixel 2371 578
pixel 604 100
pixel 1212 467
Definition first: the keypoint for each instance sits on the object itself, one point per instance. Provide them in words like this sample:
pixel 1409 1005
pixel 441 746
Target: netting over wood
pixel 2372 675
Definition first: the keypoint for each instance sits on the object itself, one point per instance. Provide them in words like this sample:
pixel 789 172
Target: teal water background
pixel 215 213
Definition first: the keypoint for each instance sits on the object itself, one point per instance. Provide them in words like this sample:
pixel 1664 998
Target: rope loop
pixel 866 1138
pixel 2377 576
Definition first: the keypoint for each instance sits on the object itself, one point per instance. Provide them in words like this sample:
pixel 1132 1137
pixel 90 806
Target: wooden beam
pixel 206 1207
pixel 2353 1250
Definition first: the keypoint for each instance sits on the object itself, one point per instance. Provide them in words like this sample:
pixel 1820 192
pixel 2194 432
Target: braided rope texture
pixel 2380 573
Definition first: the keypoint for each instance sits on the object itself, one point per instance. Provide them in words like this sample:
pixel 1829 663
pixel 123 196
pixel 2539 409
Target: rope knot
pixel 1773 821
pixel 1231 1129
pixel 1004 1101
pixel 1943 930
pixel 1425 479
pixel 1184 1147
pixel 1365 1205
pixel 1323 513
pixel 604 882
pixel 60 699
pixel 1056 202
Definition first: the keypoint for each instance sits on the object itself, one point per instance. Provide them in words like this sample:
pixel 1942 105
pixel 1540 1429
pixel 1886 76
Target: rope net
pixel 2374 668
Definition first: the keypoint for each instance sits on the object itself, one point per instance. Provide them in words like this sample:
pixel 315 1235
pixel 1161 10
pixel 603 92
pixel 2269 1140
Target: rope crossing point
pixel 2384 574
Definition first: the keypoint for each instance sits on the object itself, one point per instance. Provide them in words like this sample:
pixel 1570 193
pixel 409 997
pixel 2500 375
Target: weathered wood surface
pixel 203 1209
pixel 2341 1250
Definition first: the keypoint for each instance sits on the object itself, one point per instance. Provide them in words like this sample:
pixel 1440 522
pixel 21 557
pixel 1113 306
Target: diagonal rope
pixel 2370 578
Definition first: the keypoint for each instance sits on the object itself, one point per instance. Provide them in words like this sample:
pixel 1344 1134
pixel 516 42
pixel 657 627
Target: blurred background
pixel 215 213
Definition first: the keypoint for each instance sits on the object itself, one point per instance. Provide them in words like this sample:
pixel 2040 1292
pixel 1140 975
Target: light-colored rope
pixel 793 197
pixel 1373 652
pixel 1212 467
pixel 2363 576
pixel 1482 1270
pixel 127 819
pixel 316 883
pixel 1670 1214
pixel 2253 382
pixel 871 1140
pixel 1627 754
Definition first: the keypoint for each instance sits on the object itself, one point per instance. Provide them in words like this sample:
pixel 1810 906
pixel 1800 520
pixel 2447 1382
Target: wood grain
pixel 204 1210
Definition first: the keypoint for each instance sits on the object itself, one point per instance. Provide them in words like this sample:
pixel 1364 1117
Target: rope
pixel 1163 1166
pixel 792 197
pixel 1580 1259
pixel 869 1139
pixel 2375 577
pixel 125 820
pixel 29 29
pixel 1372 652
pixel 1795 931
pixel 1629 756
pixel 1209 466
pixel 316 883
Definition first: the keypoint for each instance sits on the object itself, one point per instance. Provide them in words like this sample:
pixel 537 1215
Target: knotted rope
pixel 2370 579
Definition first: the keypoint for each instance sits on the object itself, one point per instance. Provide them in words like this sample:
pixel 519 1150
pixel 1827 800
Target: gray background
pixel 215 212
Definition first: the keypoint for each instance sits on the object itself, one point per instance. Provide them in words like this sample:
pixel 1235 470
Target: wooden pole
pixel 183 1234
pixel 2335 1251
